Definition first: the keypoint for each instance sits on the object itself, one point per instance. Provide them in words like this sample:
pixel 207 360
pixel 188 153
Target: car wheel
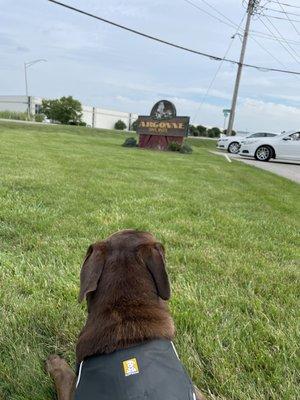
pixel 263 153
pixel 233 148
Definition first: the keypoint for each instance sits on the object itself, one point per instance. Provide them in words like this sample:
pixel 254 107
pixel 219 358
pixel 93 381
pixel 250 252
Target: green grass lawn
pixel 231 235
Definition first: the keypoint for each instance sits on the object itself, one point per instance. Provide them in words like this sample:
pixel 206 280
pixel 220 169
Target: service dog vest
pixel 149 371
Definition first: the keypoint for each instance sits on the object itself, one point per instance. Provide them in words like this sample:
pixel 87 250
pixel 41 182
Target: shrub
pixel 130 142
pixel 134 126
pixel 214 132
pixel 39 117
pixel 174 146
pixel 233 133
pixel 77 123
pixel 186 149
pixel 120 125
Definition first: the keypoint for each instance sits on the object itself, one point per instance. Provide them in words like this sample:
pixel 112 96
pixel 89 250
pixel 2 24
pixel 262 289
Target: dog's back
pixel 149 371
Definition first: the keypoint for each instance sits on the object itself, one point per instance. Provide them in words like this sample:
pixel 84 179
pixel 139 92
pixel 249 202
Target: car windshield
pixel 287 133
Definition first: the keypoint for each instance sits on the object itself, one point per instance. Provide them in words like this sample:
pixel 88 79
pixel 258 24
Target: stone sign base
pixel 158 142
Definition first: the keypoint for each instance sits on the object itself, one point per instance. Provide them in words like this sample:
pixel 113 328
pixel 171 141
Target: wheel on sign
pixel 263 153
pixel 233 148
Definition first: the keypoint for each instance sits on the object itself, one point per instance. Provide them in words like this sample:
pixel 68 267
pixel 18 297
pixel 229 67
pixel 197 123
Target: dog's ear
pixel 91 270
pixel 153 257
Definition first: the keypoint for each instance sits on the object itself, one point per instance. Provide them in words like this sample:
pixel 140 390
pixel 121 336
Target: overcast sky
pixel 106 67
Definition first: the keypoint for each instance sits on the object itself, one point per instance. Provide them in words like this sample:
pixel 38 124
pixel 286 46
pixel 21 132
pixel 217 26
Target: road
pixel 287 169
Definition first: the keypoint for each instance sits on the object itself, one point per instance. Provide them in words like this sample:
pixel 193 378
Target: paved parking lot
pixel 286 169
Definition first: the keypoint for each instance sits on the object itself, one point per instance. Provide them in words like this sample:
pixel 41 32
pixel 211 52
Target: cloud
pixel 22 49
pixel 268 115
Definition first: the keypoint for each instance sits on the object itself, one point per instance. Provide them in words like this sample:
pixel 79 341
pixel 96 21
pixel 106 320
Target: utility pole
pixel 251 8
pixel 26 66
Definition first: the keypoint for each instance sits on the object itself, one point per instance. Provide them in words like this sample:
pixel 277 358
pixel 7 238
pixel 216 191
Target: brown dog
pixel 125 283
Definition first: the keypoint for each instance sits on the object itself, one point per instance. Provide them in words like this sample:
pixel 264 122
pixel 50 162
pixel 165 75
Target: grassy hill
pixel 231 235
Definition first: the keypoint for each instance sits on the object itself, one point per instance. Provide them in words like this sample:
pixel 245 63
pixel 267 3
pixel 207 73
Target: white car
pixel 285 146
pixel 232 143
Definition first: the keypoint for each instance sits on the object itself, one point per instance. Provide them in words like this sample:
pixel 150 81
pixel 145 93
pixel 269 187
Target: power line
pixel 212 57
pixel 238 28
pixel 218 70
pixel 219 12
pixel 280 11
pixel 288 46
pixel 293 25
pixel 275 17
pixel 272 33
pixel 237 33
pixel 252 32
pixel 285 4
pixel 268 51
pixel 232 24
pixel 270 37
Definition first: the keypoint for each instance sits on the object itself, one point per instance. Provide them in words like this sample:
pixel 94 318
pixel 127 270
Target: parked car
pixel 232 143
pixel 285 146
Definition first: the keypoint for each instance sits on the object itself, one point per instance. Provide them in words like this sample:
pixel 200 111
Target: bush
pixel 39 117
pixel 130 142
pixel 77 123
pixel 120 125
pixel 134 126
pixel 174 146
pixel 214 132
pixel 186 149
pixel 233 133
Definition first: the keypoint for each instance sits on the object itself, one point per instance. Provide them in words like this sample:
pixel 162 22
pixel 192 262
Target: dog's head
pixel 128 262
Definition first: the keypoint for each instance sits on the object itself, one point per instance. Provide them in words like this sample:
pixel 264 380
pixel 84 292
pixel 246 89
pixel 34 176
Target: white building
pixel 93 116
pixel 106 119
pixel 20 103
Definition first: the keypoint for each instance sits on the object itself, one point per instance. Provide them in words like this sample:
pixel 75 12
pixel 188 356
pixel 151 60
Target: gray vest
pixel 149 371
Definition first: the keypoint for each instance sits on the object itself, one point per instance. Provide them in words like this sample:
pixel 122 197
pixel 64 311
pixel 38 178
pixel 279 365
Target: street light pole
pixel 27 65
pixel 252 5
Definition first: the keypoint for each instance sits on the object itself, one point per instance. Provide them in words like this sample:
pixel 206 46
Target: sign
pixel 163 109
pixel 226 112
pixel 172 127
pixel 162 126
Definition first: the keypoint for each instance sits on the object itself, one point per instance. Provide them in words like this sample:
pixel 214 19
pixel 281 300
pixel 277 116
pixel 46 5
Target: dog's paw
pixel 54 364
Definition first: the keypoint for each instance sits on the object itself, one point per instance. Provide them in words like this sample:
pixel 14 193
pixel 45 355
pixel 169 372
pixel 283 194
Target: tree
pixel 120 125
pixel 202 130
pixel 193 130
pixel 64 110
pixel 214 132
pixel 233 133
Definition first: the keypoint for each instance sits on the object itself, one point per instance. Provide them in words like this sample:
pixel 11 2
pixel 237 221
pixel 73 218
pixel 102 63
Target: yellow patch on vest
pixel 131 367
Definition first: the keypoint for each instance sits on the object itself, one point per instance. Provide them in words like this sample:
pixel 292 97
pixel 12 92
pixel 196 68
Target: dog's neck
pixel 111 327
